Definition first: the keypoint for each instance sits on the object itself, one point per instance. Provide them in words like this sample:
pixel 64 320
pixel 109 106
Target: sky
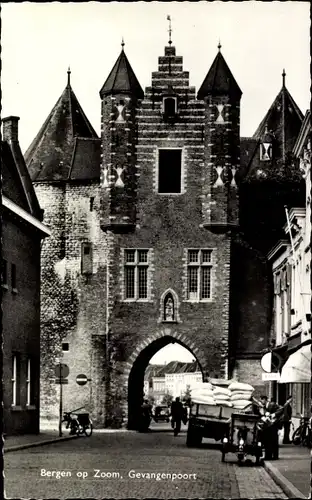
pixel 40 41
pixel 172 352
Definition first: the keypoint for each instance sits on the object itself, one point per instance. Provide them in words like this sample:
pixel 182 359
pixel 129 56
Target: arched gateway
pixel 134 375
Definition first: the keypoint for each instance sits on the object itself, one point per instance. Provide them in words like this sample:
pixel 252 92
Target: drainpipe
pixel 107 356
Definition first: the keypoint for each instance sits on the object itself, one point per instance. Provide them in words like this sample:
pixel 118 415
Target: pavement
pixel 291 473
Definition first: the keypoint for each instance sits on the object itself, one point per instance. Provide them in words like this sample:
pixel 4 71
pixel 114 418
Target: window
pixel 170 171
pixel 136 274
pixel 4 273
pixel 13 277
pixel 199 268
pixel 170 106
pixel 29 383
pixel 86 258
pixel 16 380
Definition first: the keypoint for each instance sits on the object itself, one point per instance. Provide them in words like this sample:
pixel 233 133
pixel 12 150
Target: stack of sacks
pixel 222 396
pixel 240 395
pixel 203 393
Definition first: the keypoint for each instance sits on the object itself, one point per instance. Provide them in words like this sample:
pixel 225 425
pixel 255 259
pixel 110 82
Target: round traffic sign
pixel 81 379
pixel 266 362
pixel 61 371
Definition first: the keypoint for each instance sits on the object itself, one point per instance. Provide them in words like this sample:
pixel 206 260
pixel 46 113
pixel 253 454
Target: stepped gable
pixel 283 118
pixel 122 79
pixel 50 156
pixel 219 80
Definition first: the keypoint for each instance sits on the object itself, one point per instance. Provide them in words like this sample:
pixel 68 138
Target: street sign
pixel 81 379
pixel 270 376
pixel 266 362
pixel 61 371
pixel 61 381
pixel 271 362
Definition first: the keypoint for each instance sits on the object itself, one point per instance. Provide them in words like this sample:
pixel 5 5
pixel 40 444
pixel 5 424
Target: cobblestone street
pixel 125 456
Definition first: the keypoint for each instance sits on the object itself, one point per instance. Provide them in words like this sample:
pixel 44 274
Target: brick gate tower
pixel 169 205
pixel 146 247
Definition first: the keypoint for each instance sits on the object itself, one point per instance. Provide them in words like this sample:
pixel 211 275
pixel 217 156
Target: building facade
pixel 291 264
pixel 150 242
pixel 22 234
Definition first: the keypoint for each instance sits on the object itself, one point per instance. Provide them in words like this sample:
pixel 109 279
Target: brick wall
pixel 249 371
pixel 21 322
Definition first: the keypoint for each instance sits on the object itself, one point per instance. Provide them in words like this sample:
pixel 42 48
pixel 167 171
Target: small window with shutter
pixel 86 258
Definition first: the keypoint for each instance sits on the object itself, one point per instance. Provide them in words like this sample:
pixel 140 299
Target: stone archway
pixel 137 364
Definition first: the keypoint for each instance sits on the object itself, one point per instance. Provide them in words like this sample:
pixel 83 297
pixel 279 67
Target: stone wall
pixel 73 304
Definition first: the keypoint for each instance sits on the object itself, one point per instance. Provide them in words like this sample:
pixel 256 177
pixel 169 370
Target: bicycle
pixel 78 423
pixel 303 435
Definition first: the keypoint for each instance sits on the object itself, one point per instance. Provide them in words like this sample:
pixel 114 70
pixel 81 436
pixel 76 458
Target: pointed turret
pixel 120 95
pixel 272 178
pixel 122 79
pixel 50 155
pixel 221 96
pixel 284 119
pixel 219 80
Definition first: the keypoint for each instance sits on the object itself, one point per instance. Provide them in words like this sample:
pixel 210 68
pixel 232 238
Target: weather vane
pixel 170 30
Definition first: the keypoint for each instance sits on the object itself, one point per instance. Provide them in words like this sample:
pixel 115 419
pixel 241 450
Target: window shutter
pixel 283 279
pixel 288 275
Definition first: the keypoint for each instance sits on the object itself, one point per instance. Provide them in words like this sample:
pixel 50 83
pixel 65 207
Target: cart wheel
pixel 88 429
pixel 296 437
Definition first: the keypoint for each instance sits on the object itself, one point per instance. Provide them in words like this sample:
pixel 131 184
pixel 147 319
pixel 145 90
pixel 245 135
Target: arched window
pixel 169 312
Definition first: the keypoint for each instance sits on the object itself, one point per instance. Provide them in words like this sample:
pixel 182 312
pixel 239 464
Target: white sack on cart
pixel 198 400
pixel 236 386
pixel 224 402
pixel 200 392
pixel 221 382
pixel 221 391
pixel 241 395
pixel 223 397
pixel 241 403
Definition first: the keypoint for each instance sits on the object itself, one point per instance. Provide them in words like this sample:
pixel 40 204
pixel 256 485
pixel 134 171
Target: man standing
pixel 177 412
pixel 270 433
pixel 286 419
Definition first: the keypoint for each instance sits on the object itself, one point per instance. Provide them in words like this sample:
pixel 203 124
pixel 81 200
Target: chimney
pixel 10 129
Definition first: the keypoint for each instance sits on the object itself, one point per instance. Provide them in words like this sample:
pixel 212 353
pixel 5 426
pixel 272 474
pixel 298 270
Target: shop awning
pixel 297 368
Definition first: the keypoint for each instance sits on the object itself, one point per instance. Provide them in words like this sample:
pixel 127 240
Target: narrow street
pixel 133 465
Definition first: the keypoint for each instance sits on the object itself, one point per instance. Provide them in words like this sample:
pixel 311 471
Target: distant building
pixel 177 383
pixel 22 235
pixel 173 379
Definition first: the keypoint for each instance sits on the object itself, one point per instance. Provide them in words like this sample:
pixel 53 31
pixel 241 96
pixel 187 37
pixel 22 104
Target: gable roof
pixel 16 182
pixel 49 157
pixel 122 79
pixel 219 80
